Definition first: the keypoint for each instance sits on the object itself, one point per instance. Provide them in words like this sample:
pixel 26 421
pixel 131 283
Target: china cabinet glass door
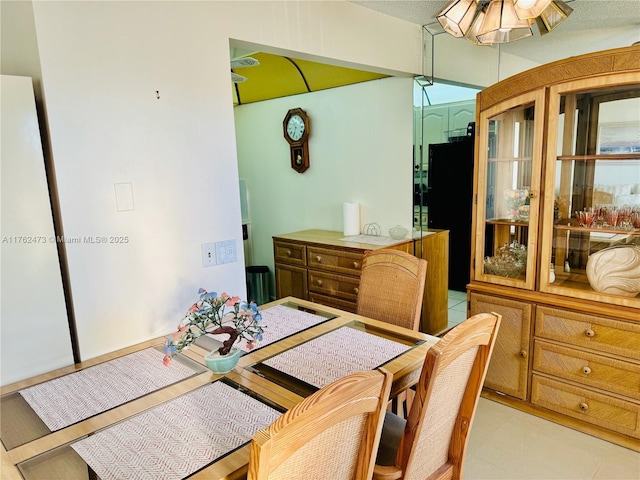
pixel 508 186
pixel 591 240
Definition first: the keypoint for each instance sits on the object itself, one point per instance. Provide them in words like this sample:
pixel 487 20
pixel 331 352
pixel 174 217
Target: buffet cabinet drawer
pixel 609 412
pixel 334 285
pixel 291 281
pixel 291 253
pixel 333 302
pixel 338 261
pixel 587 368
pixel 590 331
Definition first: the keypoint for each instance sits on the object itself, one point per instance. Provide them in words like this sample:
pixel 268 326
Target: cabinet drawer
pixel 590 331
pixel 291 253
pixel 589 369
pixel 608 412
pixel 333 302
pixel 334 285
pixel 291 281
pixel 349 263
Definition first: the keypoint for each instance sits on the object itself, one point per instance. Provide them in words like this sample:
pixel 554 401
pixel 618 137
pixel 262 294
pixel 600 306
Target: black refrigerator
pixel 449 202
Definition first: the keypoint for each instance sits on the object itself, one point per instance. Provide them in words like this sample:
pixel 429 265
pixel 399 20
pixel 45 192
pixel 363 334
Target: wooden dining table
pixel 273 378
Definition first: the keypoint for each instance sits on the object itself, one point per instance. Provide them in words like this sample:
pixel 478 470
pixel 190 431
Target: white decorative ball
pixel 615 270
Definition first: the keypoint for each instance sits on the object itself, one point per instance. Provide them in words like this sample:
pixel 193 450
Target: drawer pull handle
pixel 319 282
pixel 523 354
pixel 355 265
pixel 584 407
pixel 318 258
pixel 590 333
pixel 288 253
pixel 586 370
pixel 355 290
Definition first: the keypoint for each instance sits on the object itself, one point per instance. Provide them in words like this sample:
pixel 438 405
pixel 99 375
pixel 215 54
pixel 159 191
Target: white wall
pixel 461 61
pixel 102 63
pixel 35 333
pixel 360 151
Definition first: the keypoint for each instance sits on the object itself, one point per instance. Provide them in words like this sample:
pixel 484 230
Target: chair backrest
pixel 333 433
pixel 392 287
pixel 437 428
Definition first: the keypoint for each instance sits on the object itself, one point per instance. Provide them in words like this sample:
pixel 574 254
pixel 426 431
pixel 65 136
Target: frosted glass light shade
pixel 552 16
pixel 502 25
pixel 456 17
pixel 472 33
pixel 530 8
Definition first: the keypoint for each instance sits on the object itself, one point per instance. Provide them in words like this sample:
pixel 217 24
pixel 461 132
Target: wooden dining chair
pixel 430 443
pixel 333 433
pixel 391 290
pixel 392 287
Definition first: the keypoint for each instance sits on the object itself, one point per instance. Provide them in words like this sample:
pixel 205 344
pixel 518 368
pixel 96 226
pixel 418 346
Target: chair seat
pixel 392 430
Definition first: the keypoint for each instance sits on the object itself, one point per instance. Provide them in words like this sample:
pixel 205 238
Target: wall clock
pixel 296 132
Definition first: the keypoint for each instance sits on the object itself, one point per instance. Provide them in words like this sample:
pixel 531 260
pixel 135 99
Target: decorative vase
pixel 222 363
pixel 615 270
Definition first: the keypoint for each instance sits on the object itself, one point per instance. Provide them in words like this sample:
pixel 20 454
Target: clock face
pixel 295 127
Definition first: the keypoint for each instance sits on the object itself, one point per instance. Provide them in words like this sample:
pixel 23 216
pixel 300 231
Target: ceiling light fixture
pixel 457 17
pixel 501 24
pixel 486 22
pixel 552 16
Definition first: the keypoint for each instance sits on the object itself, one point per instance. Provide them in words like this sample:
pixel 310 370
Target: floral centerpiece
pixel 207 315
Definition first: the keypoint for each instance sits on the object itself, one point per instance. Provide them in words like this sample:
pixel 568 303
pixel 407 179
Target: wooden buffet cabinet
pixel 317 265
pixel 559 139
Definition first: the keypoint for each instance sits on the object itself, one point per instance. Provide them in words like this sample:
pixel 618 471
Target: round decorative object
pixel 398 232
pixel 615 270
pixel 222 363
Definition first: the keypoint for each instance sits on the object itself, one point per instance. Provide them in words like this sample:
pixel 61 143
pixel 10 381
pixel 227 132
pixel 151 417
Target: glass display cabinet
pixel 556 241
pixel 508 187
pixel 591 243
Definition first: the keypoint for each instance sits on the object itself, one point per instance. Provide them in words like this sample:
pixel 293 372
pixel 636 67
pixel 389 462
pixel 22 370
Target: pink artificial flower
pixel 231 301
pixel 193 308
pixel 182 328
pixel 250 345
pixel 166 360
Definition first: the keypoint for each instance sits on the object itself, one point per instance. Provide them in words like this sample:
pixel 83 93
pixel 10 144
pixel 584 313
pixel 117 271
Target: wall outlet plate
pixel 208 254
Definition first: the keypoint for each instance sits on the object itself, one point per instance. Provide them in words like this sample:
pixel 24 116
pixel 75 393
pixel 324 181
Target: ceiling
pixel 279 76
pixel 594 25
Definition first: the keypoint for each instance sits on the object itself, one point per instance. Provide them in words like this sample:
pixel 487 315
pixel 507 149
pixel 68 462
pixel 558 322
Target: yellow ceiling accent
pixel 279 76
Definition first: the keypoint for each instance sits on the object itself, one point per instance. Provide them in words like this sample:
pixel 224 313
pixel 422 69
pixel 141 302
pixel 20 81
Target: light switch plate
pixel 226 252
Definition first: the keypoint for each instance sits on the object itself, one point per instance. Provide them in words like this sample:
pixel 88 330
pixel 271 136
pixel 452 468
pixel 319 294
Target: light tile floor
pixel 507 444
pixel 457 302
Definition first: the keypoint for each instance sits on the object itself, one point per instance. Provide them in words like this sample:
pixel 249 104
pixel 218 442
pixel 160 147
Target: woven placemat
pixel 178 438
pixel 69 399
pixel 279 322
pixel 334 355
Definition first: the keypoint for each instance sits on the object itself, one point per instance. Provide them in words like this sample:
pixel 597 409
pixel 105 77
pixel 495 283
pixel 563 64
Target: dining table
pixel 126 415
